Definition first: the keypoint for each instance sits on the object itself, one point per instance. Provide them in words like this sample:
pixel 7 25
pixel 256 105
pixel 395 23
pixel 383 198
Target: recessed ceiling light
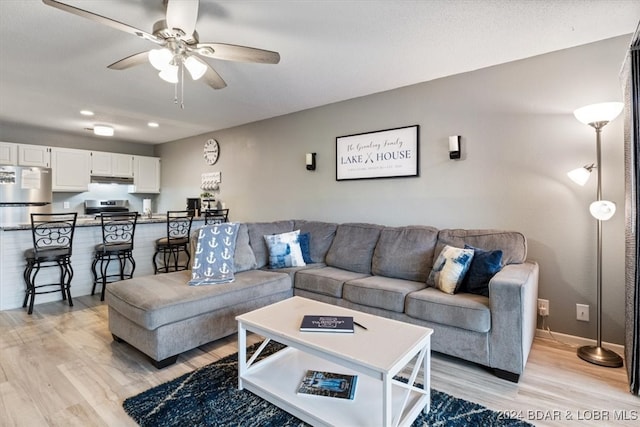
pixel 86 112
pixel 153 124
pixel 103 130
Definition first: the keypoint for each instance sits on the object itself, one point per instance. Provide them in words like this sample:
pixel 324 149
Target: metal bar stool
pixel 216 216
pixel 118 229
pixel 176 242
pixel 52 240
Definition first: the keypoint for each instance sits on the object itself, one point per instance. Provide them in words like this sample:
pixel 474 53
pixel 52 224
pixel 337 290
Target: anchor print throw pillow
pixel 213 257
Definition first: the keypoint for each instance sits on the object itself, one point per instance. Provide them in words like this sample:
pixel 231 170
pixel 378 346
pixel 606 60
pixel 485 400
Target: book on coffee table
pixel 329 384
pixel 327 324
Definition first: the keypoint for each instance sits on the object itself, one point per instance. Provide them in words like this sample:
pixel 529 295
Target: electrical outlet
pixel 543 307
pixel 65 205
pixel 582 312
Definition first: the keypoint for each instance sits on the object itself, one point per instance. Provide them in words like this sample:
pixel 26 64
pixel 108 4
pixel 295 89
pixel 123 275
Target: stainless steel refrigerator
pixel 23 190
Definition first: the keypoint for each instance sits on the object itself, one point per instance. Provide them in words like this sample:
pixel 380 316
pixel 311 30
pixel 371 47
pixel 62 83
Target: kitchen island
pixel 15 239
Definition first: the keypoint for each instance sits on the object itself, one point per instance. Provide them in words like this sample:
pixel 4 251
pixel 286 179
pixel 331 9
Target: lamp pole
pixel 597 354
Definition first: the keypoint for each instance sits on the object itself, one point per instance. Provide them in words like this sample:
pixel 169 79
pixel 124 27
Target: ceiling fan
pixel 179 46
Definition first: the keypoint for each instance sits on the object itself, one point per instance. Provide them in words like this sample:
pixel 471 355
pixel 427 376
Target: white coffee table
pixel 376 355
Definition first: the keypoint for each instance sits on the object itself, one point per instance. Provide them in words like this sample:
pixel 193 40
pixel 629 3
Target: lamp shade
pixel 160 58
pixel 603 112
pixel 602 209
pixel 169 74
pixel 195 66
pixel 580 176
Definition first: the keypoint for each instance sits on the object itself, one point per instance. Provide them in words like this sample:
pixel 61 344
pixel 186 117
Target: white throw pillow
pixel 450 267
pixel 284 250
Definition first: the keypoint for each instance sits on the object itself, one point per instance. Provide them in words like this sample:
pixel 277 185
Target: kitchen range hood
pixel 97 179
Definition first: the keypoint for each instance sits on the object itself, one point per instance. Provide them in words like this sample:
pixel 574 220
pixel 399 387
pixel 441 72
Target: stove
pixel 92 207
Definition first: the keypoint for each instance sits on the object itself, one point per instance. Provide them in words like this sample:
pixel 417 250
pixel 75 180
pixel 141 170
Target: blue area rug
pixel 209 397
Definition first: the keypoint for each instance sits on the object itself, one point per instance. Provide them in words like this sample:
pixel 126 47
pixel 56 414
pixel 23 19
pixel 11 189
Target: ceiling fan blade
pixel 131 61
pixel 182 14
pixel 104 21
pixel 213 79
pixel 231 52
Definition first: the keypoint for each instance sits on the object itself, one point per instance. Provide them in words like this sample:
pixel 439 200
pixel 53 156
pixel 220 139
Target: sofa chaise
pixel 372 268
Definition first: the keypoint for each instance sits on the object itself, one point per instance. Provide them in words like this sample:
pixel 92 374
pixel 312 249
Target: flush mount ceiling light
pixel 86 112
pixel 153 124
pixel 103 130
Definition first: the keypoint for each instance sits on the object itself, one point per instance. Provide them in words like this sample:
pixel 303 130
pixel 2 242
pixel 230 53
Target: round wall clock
pixel 211 151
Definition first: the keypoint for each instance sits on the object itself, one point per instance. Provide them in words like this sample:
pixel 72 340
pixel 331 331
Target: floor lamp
pixel 597 116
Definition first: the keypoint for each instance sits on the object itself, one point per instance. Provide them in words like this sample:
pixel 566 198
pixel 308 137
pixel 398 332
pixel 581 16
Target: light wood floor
pixel 60 367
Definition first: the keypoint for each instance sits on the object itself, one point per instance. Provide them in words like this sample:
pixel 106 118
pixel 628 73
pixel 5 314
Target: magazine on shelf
pixel 327 324
pixel 329 384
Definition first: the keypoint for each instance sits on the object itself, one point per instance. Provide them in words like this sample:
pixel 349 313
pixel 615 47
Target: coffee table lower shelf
pixel 277 377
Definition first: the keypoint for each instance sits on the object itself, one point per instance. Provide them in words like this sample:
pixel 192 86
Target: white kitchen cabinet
pixel 70 169
pixel 8 153
pixel 122 165
pixel 146 175
pixel 34 155
pixel 111 164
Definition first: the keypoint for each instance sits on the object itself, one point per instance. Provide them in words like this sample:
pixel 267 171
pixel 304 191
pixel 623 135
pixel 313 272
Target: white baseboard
pixel 578 341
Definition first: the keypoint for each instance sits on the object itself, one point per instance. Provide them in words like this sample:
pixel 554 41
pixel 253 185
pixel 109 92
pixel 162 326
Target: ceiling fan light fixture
pixel 103 130
pixel 160 58
pixel 169 74
pixel 195 66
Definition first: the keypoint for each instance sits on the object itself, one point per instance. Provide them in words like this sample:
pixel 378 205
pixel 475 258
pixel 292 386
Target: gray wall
pixel 22 134
pixel 519 139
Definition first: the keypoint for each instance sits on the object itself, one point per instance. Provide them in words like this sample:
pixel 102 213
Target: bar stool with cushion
pixel 216 216
pixel 118 229
pixel 52 242
pixel 176 242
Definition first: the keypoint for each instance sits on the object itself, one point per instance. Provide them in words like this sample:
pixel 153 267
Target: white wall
pixel 519 139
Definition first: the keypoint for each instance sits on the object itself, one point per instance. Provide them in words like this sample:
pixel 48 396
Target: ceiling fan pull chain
pixel 175 93
pixel 182 85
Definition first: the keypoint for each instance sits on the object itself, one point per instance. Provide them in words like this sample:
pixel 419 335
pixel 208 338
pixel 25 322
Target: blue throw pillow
pixel 484 265
pixel 304 239
pixel 213 260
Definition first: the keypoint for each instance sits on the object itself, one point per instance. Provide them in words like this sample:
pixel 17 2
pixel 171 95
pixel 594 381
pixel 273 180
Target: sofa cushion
pixel 257 231
pixel 405 252
pixel 512 243
pixel 244 258
pixel 352 247
pixel 450 268
pixel 380 292
pixel 153 301
pixel 484 265
pixel 213 259
pixel 320 237
pixel 284 250
pixel 325 281
pixel 466 311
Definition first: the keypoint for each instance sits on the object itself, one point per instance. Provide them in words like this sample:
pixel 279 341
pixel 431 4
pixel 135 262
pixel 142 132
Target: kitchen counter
pixel 92 221
pixel 15 239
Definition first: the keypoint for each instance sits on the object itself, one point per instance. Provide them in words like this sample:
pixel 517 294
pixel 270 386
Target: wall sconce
pixel 311 161
pixel 454 147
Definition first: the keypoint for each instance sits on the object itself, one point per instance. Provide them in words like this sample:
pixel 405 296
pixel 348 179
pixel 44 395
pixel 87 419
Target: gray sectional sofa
pixel 367 267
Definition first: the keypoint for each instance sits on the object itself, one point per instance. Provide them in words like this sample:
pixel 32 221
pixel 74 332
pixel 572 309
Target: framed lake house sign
pixel 386 153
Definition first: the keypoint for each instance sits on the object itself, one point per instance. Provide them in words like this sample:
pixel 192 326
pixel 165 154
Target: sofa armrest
pixel 513 294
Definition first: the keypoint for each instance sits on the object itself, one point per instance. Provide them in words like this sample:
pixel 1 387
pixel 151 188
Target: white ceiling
pixel 53 64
